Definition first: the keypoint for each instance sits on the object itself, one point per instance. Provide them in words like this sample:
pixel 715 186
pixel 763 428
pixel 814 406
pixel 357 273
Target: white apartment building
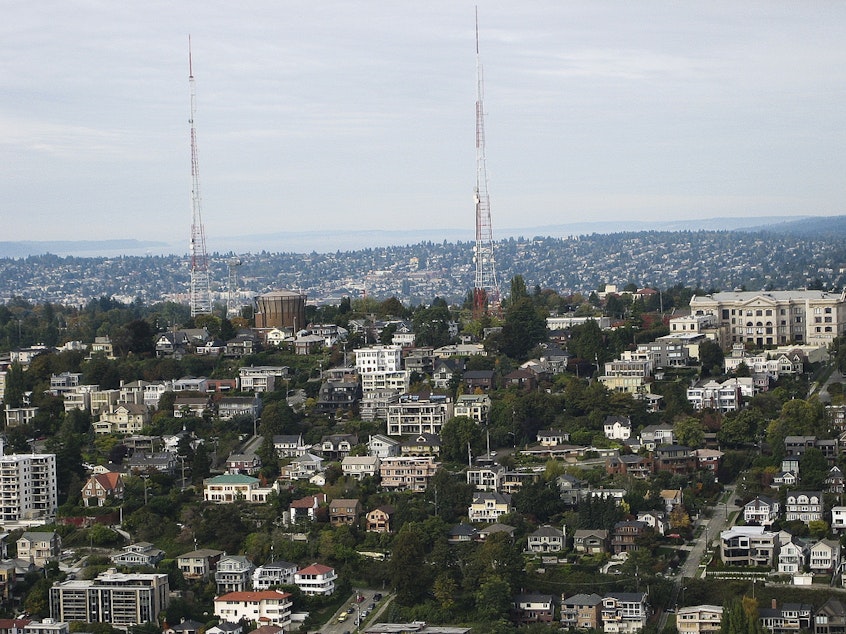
pixel 270 607
pixel 624 612
pixel 120 599
pixel 563 322
pixel 378 359
pixel 412 415
pixel 699 619
pixel 28 487
pixel 838 517
pixel 776 317
pixel 260 378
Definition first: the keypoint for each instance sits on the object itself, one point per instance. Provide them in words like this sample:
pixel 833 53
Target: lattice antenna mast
pixel 200 295
pixel 486 289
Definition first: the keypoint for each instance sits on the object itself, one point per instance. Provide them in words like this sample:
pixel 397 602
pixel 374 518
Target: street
pixel 354 610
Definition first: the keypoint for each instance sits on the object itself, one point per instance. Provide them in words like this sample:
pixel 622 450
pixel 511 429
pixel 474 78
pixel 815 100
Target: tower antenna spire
pixel 486 287
pixel 200 292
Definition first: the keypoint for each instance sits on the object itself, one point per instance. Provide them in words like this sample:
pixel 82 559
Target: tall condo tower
pixel 486 289
pixel 200 295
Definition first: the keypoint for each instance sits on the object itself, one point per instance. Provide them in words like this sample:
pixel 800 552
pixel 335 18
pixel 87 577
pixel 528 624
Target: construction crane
pixel 200 292
pixel 486 288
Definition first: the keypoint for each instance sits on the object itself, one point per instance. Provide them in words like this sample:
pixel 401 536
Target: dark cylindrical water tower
pixel 281 309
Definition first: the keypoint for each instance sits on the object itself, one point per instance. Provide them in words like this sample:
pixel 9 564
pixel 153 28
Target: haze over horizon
pixel 344 117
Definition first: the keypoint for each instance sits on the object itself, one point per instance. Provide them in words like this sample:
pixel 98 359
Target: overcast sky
pixel 360 115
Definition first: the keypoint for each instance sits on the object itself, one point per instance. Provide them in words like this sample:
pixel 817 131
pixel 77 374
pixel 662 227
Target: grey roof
pixel 582 599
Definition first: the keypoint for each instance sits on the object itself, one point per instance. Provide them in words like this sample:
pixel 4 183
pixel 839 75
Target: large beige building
pixel 699 619
pixel 769 318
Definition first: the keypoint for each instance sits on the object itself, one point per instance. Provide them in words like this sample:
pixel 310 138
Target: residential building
pixel 484 380
pixel 47 626
pixel 590 540
pixel 825 556
pixel 617 428
pixel 233 574
pixel 123 418
pixel 306 508
pixel 316 579
pixel 838 518
pixel 344 511
pixel 792 556
pixel 407 473
pixel 677 459
pixel 412 415
pixel 337 446
pixel 489 506
pixel 199 564
pixel 476 407
pixel 102 487
pixel 304 467
pixel 485 478
pixel 382 446
pixel 338 395
pixel 122 600
pixel 27 486
pixel 229 407
pixel 39 547
pixel 762 511
pixel 261 378
pixel 653 436
pixel 421 445
pixel 727 396
pixel 581 612
pixel 830 618
pixel 289 445
pixel 552 437
pixel 806 506
pixel 790 618
pixel 227 488
pixel 748 546
pixel 625 535
pixel 532 608
pixel 379 519
pixel 138 554
pixel 274 573
pixel 359 467
pixel 546 539
pixel 770 318
pixel 699 619
pixel 243 464
pixel 272 607
pixel 624 612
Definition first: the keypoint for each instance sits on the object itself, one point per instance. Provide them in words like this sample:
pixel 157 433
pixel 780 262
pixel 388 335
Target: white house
pixel 274 573
pixel 617 428
pixel 762 511
pixel 825 556
pixel 546 539
pixel 359 467
pixel 316 579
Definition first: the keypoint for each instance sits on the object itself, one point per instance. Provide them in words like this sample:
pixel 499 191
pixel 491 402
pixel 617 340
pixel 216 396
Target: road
pixel 713 526
pixel 353 620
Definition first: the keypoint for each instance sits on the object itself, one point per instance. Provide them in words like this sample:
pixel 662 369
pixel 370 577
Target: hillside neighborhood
pixel 558 462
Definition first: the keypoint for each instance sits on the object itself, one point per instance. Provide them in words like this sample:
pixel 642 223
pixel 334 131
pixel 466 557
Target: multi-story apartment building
pixel 410 473
pixel 485 478
pixel 271 607
pixel 121 600
pixel 532 608
pixel 699 619
pixel 261 378
pixel 776 317
pixel 412 415
pixel 382 379
pixel 790 618
pixel 28 487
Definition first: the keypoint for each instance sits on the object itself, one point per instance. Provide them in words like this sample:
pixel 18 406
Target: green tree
pixel 711 358
pixel 688 432
pixel 493 599
pixel 406 566
pixel 456 434
pixel 523 329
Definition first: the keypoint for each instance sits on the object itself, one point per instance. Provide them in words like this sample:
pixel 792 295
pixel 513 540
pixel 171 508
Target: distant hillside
pixel 328 241
pixel 810 227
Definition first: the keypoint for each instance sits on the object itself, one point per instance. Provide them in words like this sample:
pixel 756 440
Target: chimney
pixel 774 604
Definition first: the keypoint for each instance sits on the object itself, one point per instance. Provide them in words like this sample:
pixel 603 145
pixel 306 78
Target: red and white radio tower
pixel 200 296
pixel 486 290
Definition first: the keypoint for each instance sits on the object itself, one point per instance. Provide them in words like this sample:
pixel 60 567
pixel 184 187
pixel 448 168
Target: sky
pixel 360 115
